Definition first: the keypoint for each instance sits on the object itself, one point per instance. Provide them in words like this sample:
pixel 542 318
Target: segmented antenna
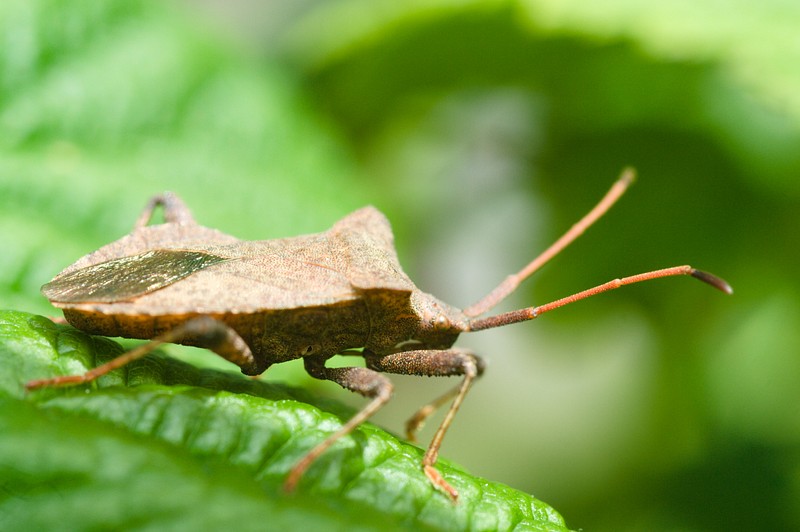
pixel 530 313
pixel 513 281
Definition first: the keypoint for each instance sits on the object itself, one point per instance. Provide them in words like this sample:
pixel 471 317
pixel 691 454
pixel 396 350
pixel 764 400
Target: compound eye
pixel 441 322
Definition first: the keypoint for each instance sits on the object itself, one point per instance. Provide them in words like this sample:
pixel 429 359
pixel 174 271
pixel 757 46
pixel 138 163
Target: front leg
pixel 365 381
pixel 434 363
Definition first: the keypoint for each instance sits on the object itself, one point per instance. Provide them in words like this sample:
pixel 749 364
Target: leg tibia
pixel 175 210
pixel 206 332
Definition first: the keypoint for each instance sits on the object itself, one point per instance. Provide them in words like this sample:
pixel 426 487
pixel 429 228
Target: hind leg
pixel 204 331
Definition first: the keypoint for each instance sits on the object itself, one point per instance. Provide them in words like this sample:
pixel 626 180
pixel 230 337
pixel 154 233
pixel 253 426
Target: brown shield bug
pixel 257 303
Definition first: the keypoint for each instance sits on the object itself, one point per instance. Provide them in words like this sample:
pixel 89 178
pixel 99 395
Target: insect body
pixel 257 303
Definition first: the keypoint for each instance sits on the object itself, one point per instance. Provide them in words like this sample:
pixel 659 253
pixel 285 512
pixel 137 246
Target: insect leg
pixel 365 381
pixel 175 210
pixel 435 363
pixel 204 331
pixel 417 421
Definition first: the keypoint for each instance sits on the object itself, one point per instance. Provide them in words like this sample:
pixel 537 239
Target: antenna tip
pixel 628 175
pixel 713 280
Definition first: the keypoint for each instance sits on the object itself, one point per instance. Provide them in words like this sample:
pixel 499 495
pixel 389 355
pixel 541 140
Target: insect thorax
pixel 419 322
pixel 294 333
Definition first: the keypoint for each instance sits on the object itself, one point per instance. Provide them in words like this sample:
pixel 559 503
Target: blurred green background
pixel 483 130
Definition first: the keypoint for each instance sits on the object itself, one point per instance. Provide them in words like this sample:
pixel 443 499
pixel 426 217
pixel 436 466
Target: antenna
pixel 530 313
pixel 513 281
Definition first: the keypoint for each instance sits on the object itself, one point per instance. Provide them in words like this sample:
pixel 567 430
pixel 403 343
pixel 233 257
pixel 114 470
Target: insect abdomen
pixel 129 326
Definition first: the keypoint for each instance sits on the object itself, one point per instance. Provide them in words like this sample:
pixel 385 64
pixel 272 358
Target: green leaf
pixel 159 437
pixel 68 472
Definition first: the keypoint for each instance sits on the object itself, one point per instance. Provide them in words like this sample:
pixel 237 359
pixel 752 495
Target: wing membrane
pixel 126 278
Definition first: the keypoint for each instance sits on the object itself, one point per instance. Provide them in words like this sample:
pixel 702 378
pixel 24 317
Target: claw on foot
pixel 440 483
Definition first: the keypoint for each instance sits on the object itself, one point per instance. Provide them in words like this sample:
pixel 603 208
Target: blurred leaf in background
pixel 484 129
